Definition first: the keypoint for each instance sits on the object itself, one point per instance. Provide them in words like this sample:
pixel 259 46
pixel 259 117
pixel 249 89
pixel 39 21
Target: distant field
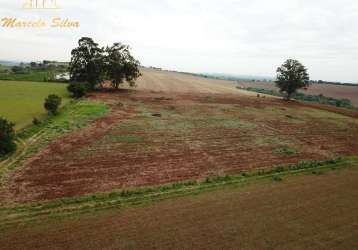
pixel 20 102
pixel 171 82
pixel 38 76
pixel 329 90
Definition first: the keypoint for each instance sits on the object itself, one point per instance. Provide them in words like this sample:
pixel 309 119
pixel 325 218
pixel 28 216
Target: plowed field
pixel 155 138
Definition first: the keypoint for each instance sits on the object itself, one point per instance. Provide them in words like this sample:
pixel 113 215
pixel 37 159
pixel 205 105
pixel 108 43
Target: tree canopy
pixel 93 64
pixel 291 76
pixel 87 63
pixel 121 65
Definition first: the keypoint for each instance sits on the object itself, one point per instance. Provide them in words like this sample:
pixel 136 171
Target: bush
pixel 277 178
pixel 7 137
pixel 77 90
pixel 52 103
pixel 36 121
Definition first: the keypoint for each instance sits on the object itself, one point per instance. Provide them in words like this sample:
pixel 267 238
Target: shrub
pixel 317 172
pixel 77 90
pixel 279 169
pixel 277 178
pixel 52 103
pixel 7 137
pixel 286 151
pixel 36 121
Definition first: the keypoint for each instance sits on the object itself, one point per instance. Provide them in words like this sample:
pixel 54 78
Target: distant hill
pixel 9 63
pixel 233 77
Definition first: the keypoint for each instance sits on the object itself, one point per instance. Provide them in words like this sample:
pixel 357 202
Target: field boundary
pixel 57 209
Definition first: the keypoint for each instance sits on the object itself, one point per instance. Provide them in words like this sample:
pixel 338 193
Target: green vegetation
pixel 344 103
pixel 277 178
pixel 7 137
pixel 52 103
pixel 92 64
pixel 21 102
pixel 45 71
pixel 121 65
pixel 77 90
pixel 291 76
pixel 38 76
pixel 286 151
pixel 139 196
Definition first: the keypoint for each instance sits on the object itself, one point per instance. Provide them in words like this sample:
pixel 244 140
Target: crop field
pixel 151 138
pixel 20 102
pixel 215 167
pixel 314 211
pixel 328 90
pixel 171 82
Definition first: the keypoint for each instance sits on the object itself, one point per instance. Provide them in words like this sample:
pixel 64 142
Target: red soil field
pixel 306 212
pixel 190 136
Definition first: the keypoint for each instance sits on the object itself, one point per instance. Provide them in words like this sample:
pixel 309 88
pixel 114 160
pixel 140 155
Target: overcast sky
pixel 251 37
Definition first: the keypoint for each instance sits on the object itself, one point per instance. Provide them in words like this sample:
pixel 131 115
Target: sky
pixel 242 37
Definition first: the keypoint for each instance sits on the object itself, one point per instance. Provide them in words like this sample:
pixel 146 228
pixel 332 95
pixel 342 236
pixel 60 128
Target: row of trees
pixel 34 66
pixel 94 65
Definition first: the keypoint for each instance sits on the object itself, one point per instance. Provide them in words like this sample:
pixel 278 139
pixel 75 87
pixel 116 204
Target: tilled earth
pixel 153 138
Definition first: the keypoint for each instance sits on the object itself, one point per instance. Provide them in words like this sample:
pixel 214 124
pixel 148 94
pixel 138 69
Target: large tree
pixel 87 63
pixel 121 65
pixel 291 76
pixel 92 64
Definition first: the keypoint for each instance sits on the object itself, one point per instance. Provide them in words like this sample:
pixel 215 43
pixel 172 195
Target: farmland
pixel 152 138
pixel 20 102
pixel 163 81
pixel 301 212
pixel 188 158
pixel 329 90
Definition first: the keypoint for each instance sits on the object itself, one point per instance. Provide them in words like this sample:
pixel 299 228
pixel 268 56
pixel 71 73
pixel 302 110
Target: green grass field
pixel 36 76
pixel 20 102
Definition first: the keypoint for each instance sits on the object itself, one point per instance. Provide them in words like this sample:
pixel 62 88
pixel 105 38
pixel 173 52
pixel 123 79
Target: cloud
pixel 230 36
